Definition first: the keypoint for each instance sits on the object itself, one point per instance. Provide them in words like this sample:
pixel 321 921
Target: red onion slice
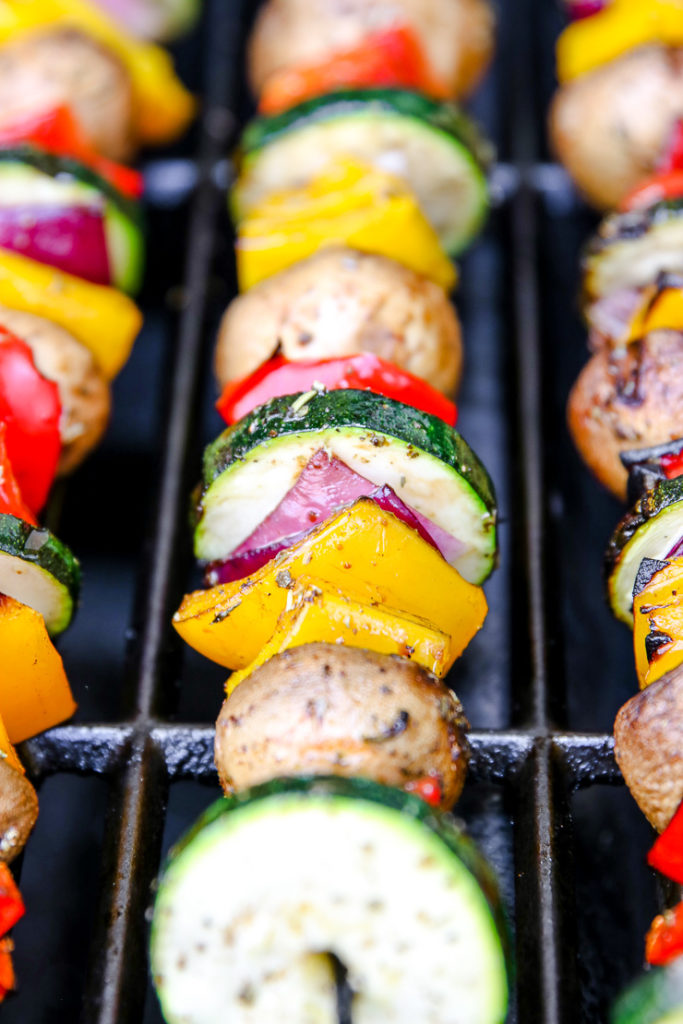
pixel 584 8
pixel 246 562
pixel 325 486
pixel 70 238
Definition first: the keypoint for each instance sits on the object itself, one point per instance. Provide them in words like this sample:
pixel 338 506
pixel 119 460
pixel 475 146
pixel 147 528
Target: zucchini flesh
pixel 650 530
pixel 251 466
pixel 632 249
pixel 39 571
pixel 430 145
pixel 305 866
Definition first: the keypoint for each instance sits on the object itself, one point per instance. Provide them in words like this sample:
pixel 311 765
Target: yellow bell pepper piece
pixel 363 551
pixel 365 208
pixel 162 106
pixel 321 613
pixel 105 320
pixel 618 28
pixel 658 615
pixel 7 751
pixel 34 691
pixel 662 309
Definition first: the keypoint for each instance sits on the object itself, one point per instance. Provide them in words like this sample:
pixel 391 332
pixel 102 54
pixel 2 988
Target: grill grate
pixel 514 681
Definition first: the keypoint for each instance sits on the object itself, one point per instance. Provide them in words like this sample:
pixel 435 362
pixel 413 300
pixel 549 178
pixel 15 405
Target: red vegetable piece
pixel 584 8
pixel 361 372
pixel 56 130
pixel 7 977
pixel 667 183
pixel 664 940
pixel 70 238
pixel 667 853
pixel 672 464
pixel 392 57
pixel 673 157
pixel 11 904
pixel 31 409
pixel 11 501
pixel 428 789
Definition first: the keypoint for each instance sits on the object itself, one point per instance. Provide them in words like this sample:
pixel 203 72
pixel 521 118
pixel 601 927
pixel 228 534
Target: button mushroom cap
pixel 330 709
pixel 457 35
pixel 83 390
pixel 648 746
pixel 611 126
pixel 64 67
pixel 18 811
pixel 624 398
pixel 337 303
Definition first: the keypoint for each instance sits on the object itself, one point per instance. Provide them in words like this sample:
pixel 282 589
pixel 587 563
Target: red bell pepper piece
pixel 667 853
pixel 428 788
pixel 7 977
pixel 361 372
pixel 11 904
pixel 56 130
pixel 673 157
pixel 672 465
pixel 11 501
pixel 664 940
pixel 31 409
pixel 667 183
pixel 392 57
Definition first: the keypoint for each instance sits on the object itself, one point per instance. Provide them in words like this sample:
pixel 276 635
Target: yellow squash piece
pixel 621 26
pixel 658 624
pixel 365 208
pixel 7 751
pixel 363 551
pixel 34 691
pixel 662 309
pixel 162 105
pixel 105 320
pixel 321 613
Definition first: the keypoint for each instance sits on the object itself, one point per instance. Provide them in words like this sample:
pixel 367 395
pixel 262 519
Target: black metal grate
pixel 548 660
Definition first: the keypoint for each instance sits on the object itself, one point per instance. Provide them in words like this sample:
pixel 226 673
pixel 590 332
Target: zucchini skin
pixel 624 227
pixel 335 410
pixel 331 787
pixel 53 165
pixel 651 997
pixel 443 117
pixel 648 506
pixel 41 548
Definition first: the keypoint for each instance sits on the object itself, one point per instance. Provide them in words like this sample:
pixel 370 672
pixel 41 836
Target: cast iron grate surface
pixel 541 683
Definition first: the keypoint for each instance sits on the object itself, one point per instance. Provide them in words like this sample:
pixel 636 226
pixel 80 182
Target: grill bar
pixel 546 993
pixel 497 754
pixel 116 986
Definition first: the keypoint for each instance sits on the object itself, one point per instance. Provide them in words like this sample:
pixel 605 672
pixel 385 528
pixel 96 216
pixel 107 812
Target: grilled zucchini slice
pixel 433 146
pixel 296 868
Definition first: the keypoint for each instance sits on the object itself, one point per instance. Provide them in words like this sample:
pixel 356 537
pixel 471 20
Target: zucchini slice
pixel 433 146
pixel 339 866
pixel 631 249
pixel 32 177
pixel 655 998
pixel 650 530
pixel 38 570
pixel 250 467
